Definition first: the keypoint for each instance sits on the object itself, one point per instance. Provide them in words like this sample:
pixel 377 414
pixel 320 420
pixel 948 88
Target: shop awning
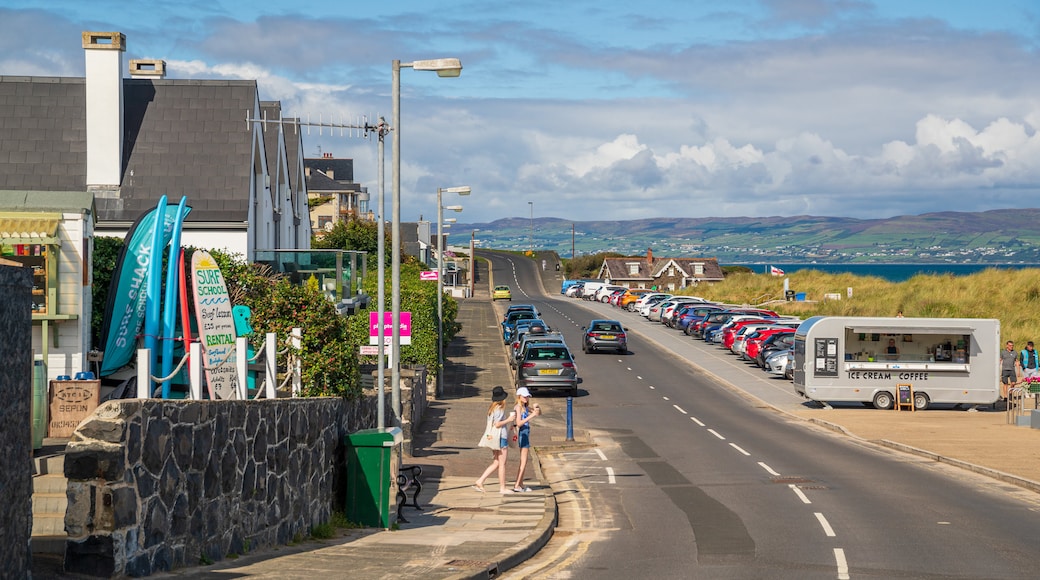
pixel 29 228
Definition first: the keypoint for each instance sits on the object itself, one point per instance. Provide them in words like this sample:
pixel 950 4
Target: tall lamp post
pixel 461 190
pixel 444 67
pixel 473 262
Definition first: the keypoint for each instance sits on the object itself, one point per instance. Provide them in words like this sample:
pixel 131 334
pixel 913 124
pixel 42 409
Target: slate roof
pixel 181 137
pixel 617 268
pixel 341 169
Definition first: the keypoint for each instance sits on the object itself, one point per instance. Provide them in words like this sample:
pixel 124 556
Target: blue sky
pixel 602 110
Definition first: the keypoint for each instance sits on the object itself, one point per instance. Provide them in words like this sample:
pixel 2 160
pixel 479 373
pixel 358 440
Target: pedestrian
pixel 1028 361
pixel 497 430
pixel 1008 363
pixel 524 412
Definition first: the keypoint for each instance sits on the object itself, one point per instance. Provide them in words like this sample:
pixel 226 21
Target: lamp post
pixel 462 190
pixel 472 261
pixel 444 67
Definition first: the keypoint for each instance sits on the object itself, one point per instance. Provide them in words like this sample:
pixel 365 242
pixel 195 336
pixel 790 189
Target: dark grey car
pixel 604 335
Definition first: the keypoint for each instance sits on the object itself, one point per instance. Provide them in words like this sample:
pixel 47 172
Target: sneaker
pixel 521 490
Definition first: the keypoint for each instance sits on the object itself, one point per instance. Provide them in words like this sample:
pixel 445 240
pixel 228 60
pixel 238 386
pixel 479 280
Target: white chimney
pixel 147 68
pixel 104 59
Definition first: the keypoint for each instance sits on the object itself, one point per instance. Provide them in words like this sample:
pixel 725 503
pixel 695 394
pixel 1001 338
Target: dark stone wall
pixel 160 484
pixel 16 421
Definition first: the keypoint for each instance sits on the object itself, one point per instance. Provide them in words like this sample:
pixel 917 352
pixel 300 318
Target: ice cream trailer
pixel 880 361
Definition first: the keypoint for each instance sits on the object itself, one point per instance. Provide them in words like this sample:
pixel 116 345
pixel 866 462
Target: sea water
pixel 890 272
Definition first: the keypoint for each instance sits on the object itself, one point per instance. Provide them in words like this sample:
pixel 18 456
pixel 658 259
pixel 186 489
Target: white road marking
pixel 694 419
pixel 801 494
pixel 598 452
pixel 737 447
pixel 843 565
pixel 677 407
pixel 651 386
pixel 665 398
pixel 827 529
pixel 716 433
pixel 637 376
pixel 610 476
pixel 940 523
pixel 768 469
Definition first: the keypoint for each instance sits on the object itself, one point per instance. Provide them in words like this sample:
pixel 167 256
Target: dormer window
pixel 698 269
pixel 633 268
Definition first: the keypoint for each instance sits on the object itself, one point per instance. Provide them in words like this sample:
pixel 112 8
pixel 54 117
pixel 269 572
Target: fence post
pixel 144 373
pixel 195 364
pixel 271 360
pixel 242 367
pixel 297 367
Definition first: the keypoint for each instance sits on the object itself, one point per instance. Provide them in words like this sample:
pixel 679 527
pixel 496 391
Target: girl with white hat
pixel 524 412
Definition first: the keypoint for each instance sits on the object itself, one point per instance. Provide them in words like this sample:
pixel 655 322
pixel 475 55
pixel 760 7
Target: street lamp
pixel 472 261
pixel 444 67
pixel 462 190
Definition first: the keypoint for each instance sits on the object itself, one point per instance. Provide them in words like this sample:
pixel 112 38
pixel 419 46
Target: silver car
pixel 547 366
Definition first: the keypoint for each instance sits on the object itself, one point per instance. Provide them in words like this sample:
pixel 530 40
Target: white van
pixel 588 291
pixel 881 360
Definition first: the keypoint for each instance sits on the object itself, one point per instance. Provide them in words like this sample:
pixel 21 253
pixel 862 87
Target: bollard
pixel 570 418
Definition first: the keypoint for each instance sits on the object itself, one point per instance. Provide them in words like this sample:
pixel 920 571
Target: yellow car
pixel 502 293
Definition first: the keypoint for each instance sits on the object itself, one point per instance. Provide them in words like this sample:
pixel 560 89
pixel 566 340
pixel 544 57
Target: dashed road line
pixel 801 494
pixel 694 419
pixel 610 476
pixel 737 447
pixel 717 434
pixel 843 565
pixel 827 529
pixel 768 469
pixel 677 407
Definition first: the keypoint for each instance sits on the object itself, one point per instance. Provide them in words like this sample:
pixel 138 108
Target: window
pixel 698 269
pixel 633 268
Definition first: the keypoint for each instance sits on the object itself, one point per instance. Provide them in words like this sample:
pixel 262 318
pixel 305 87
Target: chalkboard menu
pixel 826 364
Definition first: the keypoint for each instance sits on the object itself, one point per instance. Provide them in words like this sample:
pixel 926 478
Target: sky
pixel 607 110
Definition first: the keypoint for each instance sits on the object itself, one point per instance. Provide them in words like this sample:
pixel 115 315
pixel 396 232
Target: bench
pixel 408 479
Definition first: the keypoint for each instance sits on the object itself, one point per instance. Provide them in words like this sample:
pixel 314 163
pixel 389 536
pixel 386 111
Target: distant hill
pixel 996 236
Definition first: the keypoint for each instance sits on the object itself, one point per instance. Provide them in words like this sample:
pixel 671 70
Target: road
pixel 690 479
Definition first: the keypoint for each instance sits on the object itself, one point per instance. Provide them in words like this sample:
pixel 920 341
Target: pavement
pixel 461 533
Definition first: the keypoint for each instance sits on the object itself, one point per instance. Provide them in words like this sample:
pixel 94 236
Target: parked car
pixel 516 307
pixel 604 335
pixel 523 326
pixel 510 322
pixel 604 292
pixel 777 363
pixel 501 293
pixel 547 366
pixel 754 343
pixel 649 297
pixel 689 313
pixel 631 296
pixel 520 347
pixel 615 297
pixel 773 344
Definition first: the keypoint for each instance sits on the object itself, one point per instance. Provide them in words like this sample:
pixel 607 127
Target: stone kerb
pixel 158 484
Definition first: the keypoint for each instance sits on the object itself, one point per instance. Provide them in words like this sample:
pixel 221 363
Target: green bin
pixel 372 476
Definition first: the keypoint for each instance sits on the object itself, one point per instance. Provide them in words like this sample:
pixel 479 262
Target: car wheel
pixel 883 401
pixel 920 401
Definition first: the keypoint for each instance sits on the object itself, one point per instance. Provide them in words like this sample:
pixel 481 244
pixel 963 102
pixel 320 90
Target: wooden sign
pixel 216 325
pixel 904 397
pixel 70 403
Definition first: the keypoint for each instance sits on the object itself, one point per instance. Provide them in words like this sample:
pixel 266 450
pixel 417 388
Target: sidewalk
pixel 460 533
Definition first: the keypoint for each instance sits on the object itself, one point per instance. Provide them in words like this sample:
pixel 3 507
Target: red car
pixel 730 334
pixel 753 343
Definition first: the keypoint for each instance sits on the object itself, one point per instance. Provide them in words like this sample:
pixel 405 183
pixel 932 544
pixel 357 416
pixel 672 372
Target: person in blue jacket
pixel 1029 361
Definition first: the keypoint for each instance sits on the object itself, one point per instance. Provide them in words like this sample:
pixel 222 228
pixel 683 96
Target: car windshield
pixel 548 353
pixel 606 327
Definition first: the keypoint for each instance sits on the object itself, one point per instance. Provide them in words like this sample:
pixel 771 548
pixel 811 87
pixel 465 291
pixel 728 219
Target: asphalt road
pixel 688 479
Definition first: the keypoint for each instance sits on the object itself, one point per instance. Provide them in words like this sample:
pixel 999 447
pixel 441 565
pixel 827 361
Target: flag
pixel 776 271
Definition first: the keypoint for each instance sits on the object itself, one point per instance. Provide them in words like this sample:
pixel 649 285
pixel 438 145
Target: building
pixel 333 193
pixel 667 274
pixel 85 157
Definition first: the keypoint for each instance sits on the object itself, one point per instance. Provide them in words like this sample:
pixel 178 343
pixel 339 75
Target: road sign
pixel 388 327
pixel 428 275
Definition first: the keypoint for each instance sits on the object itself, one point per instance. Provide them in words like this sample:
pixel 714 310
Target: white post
pixel 144 373
pixel 297 368
pixel 195 364
pixel 242 367
pixel 271 360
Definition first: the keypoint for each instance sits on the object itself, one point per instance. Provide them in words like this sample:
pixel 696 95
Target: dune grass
pixel 1011 296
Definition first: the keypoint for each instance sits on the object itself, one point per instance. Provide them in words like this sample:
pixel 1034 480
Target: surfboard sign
pixel 174 280
pixel 216 325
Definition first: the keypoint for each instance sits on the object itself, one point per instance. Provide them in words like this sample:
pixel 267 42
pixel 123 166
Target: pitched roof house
pixel 331 181
pixel 663 273
pixel 131 140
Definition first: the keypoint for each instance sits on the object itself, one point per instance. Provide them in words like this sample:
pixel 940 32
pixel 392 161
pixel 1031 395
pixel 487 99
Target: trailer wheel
pixel 883 400
pixel 921 401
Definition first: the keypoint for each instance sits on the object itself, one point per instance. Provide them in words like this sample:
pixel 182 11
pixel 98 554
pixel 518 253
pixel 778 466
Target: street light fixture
pixel 462 190
pixel 444 67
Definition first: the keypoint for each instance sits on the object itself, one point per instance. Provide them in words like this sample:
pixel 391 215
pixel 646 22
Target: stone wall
pixel 159 484
pixel 16 421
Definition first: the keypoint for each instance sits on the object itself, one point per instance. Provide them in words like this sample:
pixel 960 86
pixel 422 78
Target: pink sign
pixel 388 327
pixel 428 275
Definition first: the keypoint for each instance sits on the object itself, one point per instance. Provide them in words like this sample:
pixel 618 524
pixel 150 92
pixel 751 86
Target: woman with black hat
pixel 496 438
